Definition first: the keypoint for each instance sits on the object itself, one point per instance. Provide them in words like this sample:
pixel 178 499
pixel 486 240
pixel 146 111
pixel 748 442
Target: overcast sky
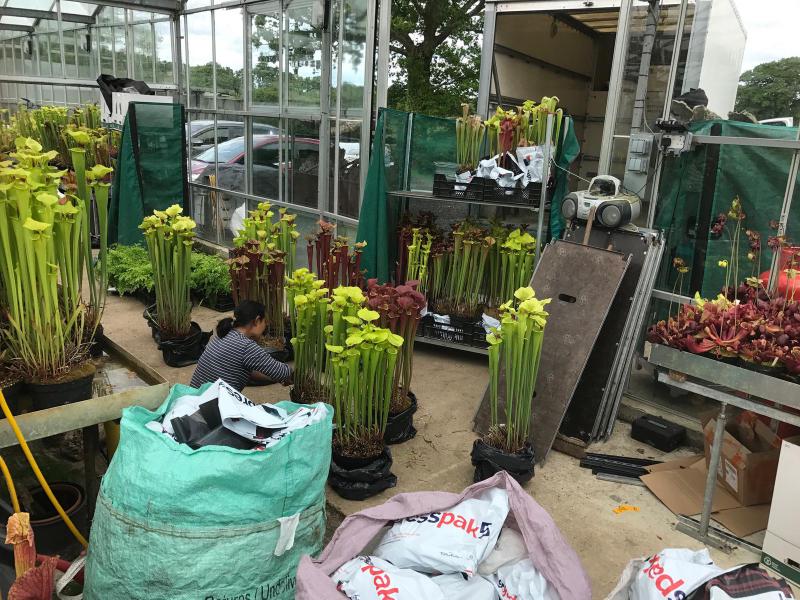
pixel 771 27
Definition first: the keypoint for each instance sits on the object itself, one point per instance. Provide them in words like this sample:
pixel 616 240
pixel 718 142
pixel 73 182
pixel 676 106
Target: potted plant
pixel 169 237
pixel 400 310
pixel 308 315
pixel 511 262
pixel 514 349
pixel 210 282
pixel 130 272
pixel 335 264
pixel 361 381
pixel 40 276
pixel 10 381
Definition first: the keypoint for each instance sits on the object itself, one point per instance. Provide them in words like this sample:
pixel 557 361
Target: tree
pixel 435 54
pixel 771 90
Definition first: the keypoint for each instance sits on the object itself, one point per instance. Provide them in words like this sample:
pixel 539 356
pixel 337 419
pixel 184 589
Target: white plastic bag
pixel 486 167
pixel 672 573
pixel 452 541
pixel 521 581
pixel 510 549
pixel 455 587
pixel 370 578
pixel 531 160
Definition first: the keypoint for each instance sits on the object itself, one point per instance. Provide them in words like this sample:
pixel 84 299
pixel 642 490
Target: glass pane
pixel 352 59
pixel 230 58
pixel 105 16
pixel 143 52
pixel 105 39
pixel 304 55
pixel 28 55
pixel 164 52
pixel 18 67
pixel 70 57
pixel 85 56
pixel 222 164
pixel 203 213
pixel 265 42
pixel 303 162
pixel 196 3
pixel 266 157
pixel 73 96
pixel 120 52
pixel 348 179
pixel 198 26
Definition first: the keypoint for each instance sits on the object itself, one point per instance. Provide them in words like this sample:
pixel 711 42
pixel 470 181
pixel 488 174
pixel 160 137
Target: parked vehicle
pixel 202 133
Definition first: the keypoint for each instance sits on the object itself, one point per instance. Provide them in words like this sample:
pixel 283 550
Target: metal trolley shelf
pixel 721 382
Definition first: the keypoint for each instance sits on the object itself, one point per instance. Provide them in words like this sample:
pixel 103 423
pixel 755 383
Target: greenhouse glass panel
pixel 304 55
pixel 86 68
pixel 265 48
pixel 266 158
pixel 302 159
pixel 354 45
pixel 346 163
pixel 229 41
pixel 105 41
pixel 164 73
pixel 143 51
pixel 198 31
pixel 120 52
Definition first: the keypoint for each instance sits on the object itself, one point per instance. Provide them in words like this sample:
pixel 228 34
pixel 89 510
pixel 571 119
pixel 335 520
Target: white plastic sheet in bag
pixel 672 574
pixel 370 578
pixel 510 549
pixel 521 581
pixel 451 541
pixel 455 587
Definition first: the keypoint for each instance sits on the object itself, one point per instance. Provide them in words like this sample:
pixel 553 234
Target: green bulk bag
pixel 209 524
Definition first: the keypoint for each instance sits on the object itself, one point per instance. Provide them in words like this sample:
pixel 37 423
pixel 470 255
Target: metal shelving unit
pixel 539 210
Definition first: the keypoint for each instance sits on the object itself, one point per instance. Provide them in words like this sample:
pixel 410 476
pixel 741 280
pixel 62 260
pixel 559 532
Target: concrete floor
pixel 449 386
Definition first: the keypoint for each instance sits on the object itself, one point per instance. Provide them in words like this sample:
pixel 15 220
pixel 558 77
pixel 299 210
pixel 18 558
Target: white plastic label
pixel 451 541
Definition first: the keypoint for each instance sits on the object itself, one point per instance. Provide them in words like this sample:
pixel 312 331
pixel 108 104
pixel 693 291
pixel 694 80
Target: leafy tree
pixel 436 48
pixel 771 90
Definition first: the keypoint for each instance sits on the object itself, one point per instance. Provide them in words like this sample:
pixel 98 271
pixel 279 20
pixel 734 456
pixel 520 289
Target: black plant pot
pixel 181 352
pixel 150 314
pixel 359 479
pixel 400 427
pixel 52 535
pixel 219 302
pixel 11 392
pixel 48 395
pixel 488 460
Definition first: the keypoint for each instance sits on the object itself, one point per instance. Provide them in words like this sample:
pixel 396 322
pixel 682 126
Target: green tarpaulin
pixel 151 168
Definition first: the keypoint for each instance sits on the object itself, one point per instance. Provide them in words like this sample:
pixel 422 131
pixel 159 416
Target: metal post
pixel 545 177
pixel 673 74
pixel 791 182
pixel 653 13
pixel 407 160
pixel 615 85
pixel 384 37
pixel 487 52
pixel 323 174
pixel 713 465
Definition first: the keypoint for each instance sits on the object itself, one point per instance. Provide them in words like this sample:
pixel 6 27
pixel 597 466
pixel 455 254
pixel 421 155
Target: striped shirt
pixel 232 359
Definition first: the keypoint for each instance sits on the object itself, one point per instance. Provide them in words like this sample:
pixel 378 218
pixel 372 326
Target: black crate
pixel 658 432
pixel 528 195
pixel 446 188
pixel 458 331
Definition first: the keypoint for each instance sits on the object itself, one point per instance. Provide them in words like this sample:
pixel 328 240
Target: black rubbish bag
pixel 400 427
pixel 181 352
pixel 204 428
pixel 489 460
pixel 355 479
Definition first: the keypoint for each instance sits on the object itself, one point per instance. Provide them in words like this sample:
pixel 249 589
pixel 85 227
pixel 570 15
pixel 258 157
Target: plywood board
pixel 582 282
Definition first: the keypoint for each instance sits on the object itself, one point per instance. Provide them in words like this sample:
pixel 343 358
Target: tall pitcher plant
pixel 40 239
pixel 516 346
pixel 308 314
pixel 169 236
pixel 362 373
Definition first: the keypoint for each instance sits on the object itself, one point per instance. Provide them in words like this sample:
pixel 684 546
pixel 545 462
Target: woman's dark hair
pixel 244 314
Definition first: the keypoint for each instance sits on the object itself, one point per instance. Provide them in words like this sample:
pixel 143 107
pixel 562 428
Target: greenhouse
pixel 385 299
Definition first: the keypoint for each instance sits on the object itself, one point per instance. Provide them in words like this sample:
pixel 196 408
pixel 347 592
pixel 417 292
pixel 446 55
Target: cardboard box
pixel 680 485
pixel 748 462
pixel 781 551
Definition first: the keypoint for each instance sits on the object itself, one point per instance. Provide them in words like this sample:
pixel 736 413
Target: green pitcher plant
pixel 362 373
pixel 169 236
pixel 515 347
pixel 40 270
pixel 308 314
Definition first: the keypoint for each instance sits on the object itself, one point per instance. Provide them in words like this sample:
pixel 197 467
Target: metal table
pixel 719 381
pixel 87 415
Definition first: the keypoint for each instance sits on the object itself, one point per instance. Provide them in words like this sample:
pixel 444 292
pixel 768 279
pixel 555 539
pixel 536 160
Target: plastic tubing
pixel 12 491
pixel 42 481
